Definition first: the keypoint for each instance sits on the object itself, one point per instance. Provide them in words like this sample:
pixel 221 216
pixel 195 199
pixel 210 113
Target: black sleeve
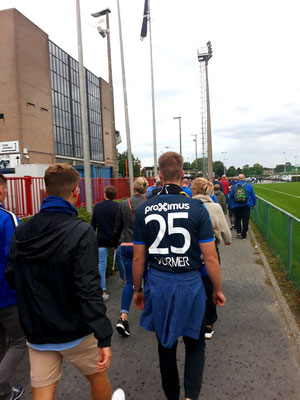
pixel 88 288
pixel 118 228
pixel 94 219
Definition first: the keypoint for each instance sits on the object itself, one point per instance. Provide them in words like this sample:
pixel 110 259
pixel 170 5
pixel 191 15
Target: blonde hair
pixel 203 186
pixel 140 185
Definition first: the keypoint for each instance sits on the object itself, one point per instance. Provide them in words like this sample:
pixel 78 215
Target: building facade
pixel 40 101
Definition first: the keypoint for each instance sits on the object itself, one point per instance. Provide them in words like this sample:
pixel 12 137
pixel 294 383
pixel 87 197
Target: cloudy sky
pixel 254 74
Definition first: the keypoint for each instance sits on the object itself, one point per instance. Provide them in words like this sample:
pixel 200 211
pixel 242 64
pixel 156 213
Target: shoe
pixel 17 392
pixel 105 296
pixel 231 227
pixel 123 327
pixel 238 235
pixel 118 395
pixel 243 238
pixel 209 331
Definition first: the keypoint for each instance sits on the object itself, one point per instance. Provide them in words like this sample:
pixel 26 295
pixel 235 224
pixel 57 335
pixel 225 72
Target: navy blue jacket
pixel 8 223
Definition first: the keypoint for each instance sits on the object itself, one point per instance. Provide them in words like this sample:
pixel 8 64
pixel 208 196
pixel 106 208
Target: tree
pixel 245 170
pixel 122 157
pixel 231 171
pixel 186 165
pixel 258 169
pixel 199 164
pixel 279 168
pixel 218 168
pixel 238 171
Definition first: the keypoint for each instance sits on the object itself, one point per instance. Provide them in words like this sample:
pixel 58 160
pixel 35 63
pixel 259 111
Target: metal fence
pixel 282 233
pixel 25 195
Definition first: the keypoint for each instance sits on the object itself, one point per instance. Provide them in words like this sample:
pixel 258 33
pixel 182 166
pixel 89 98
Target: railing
pixel 25 195
pixel 282 232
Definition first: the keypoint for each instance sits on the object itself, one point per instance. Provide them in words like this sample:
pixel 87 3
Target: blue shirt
pixel 187 191
pixel 8 224
pixel 56 346
pixel 172 226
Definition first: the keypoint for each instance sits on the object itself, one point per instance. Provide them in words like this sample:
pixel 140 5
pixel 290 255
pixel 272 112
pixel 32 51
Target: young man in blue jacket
pixel 10 328
pixel 242 204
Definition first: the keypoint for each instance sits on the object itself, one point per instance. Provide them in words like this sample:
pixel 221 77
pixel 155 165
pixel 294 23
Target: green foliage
pixel 295 178
pixel 122 157
pixel 199 164
pixel 279 168
pixel 218 168
pixel 231 171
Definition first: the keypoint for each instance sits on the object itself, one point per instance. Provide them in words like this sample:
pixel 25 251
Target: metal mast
pixel 204 55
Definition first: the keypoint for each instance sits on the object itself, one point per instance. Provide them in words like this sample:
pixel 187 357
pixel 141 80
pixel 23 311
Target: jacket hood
pixel 44 245
pixel 204 198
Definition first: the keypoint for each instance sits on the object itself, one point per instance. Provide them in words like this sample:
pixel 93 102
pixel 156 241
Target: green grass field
pixel 283 195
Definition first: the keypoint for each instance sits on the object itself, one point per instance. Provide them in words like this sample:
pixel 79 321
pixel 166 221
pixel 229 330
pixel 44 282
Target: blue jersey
pixel 172 226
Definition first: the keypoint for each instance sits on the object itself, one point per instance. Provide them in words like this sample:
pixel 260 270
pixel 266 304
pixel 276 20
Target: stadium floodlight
pixel 101 13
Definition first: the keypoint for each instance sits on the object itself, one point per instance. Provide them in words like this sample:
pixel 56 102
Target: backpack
pixel 240 194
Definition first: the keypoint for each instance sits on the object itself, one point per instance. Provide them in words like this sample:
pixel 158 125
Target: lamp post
pixel 180 144
pixel 224 152
pixel 196 155
pixel 129 154
pixel 284 162
pixel 85 137
pixel 106 33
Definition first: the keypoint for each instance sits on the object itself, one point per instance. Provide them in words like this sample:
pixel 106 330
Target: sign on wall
pixel 9 147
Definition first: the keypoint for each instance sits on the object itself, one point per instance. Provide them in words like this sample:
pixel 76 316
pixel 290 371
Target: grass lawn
pixel 283 195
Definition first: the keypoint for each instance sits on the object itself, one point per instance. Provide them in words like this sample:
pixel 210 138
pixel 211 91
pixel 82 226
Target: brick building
pixel 40 117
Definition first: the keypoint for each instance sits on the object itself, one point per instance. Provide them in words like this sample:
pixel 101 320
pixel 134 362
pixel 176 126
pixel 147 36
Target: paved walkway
pixel 250 357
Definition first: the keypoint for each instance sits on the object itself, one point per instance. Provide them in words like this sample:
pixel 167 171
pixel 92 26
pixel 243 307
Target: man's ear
pixel 182 174
pixel 160 175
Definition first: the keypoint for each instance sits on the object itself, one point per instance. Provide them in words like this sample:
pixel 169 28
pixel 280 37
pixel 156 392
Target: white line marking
pixel 277 191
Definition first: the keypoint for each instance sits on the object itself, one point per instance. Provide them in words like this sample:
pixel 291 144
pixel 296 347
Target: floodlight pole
pixel 153 97
pixel 85 137
pixel 196 152
pixel 129 154
pixel 180 142
pixel 209 142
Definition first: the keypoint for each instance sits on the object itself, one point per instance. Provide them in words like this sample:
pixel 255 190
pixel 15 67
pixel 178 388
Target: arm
pixel 87 287
pixel 225 231
pixel 94 219
pixel 118 228
pixel 138 268
pixel 212 265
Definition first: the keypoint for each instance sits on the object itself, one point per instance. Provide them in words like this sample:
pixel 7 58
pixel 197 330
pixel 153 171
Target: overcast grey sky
pixel 253 74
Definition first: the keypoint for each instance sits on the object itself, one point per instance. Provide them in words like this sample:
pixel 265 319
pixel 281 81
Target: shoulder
pixel 7 217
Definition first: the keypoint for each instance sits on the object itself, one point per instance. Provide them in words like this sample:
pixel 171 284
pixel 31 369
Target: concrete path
pixel 250 357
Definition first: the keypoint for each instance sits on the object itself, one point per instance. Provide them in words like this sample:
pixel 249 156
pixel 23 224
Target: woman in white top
pixel 202 189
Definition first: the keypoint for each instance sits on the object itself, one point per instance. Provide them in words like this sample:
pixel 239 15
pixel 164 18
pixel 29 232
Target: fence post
pixel 256 210
pixel 268 219
pixel 28 194
pixel 290 238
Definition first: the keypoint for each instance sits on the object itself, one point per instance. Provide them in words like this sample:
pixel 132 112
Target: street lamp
pixel 284 162
pixel 106 33
pixel 180 145
pixel 224 152
pixel 195 140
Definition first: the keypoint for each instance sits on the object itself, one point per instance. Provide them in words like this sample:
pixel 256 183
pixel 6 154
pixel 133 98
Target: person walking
pixel 201 191
pixel 225 184
pixel 103 219
pixel 220 198
pixel 124 230
pixel 173 230
pixel 53 264
pixel 10 328
pixel 244 200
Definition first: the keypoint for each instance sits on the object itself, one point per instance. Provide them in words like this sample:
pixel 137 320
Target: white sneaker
pixel 118 395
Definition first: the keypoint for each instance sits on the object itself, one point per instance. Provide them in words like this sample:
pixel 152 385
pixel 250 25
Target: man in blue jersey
pixel 173 230
pixel 10 328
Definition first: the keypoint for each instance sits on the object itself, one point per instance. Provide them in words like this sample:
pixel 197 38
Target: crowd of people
pixel 166 242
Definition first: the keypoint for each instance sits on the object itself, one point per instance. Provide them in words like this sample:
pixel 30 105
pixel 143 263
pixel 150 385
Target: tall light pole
pixel 284 162
pixel 196 155
pixel 129 154
pixel 204 55
pixel 180 143
pixel 103 33
pixel 85 136
pixel 224 152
